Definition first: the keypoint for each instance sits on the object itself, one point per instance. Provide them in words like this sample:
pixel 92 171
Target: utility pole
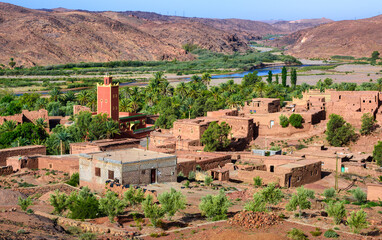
pixel 147 142
pixel 61 146
pixel 336 177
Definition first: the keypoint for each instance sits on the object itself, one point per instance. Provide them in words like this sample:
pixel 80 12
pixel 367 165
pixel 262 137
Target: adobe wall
pixel 188 130
pixel 241 127
pixel 278 130
pixel 267 177
pixel 68 164
pixel 301 175
pixel 7 170
pixel 374 192
pixel 17 163
pixel 361 171
pixel 21 151
pixel 223 113
pixel 102 146
pixel 206 161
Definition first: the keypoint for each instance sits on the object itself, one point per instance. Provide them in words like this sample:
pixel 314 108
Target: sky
pixel 244 9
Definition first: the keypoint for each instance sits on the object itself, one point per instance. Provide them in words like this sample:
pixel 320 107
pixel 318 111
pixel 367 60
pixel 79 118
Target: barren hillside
pixel 358 38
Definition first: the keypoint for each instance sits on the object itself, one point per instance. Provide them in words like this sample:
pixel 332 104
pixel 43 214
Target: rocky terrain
pixel 357 38
pixel 293 26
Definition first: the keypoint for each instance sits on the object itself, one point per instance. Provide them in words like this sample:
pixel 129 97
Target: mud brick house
pixel 27 116
pixel 291 174
pixel 20 151
pixel 131 166
pixel 261 106
pixel 103 145
pixel 374 192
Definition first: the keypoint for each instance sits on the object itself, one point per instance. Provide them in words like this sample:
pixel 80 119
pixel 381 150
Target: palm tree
pixel 124 105
pixel 55 94
pixel 69 96
pixel 8 126
pixel 133 104
pixel 235 101
pixel 63 141
pixel 40 122
pixel 126 91
pixel 206 78
pixel 20 142
pixel 188 102
pixel 83 97
pixel 181 89
pixel 260 88
pixel 111 129
pixel 92 100
pixel 215 92
pixel 196 79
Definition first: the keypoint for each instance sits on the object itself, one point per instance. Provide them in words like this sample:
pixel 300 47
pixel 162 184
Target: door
pixel 272 123
pixel 153 175
pixel 290 178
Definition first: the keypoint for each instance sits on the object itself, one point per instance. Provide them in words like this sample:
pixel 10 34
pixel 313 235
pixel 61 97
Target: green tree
pixel 74 180
pixel 284 75
pixel 277 79
pixel 216 137
pixel 40 122
pixel 12 63
pixel 134 196
pixel 251 79
pixel 171 202
pixel 374 56
pixel 24 203
pixel 359 195
pixel 83 204
pixel 8 126
pixel 206 78
pixel 272 195
pixel 257 204
pixel 300 200
pixel 336 210
pixel 111 205
pixel 338 131
pixel 284 121
pixel 59 201
pixel 215 207
pixel 152 210
pixel 293 77
pixel 368 123
pixel 329 193
pixel 257 181
pixel 377 153
pixel 270 75
pixel 208 180
pixel 296 120
pixel 357 221
pixel 111 129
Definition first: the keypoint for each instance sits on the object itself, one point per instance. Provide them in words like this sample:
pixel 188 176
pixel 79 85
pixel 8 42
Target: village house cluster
pixel 130 161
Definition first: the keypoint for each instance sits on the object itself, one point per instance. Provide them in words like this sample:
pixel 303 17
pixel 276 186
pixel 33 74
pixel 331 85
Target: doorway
pixel 290 178
pixel 153 176
pixel 272 168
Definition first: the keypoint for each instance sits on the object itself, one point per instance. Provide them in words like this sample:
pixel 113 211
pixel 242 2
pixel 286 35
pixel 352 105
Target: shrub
pixel 257 204
pixel 187 184
pixel 368 122
pixel 316 232
pixel 152 211
pixel 339 132
pixel 134 196
pixel 25 203
pixel 30 211
pixel 337 211
pixel 297 234
pixel 171 202
pixel 377 155
pixel 74 180
pixel 59 202
pixel 21 231
pixel 111 205
pixel 329 193
pixel 216 137
pixel 87 236
pixel 296 120
pixel 331 234
pixel 357 221
pixel 83 205
pixel 359 195
pixel 257 181
pixel 271 195
pixel 191 176
pixel 215 207
pixel 284 121
pixel 300 200
pixel 208 180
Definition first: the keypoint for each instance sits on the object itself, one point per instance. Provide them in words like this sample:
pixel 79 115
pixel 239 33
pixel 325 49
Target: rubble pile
pixel 250 219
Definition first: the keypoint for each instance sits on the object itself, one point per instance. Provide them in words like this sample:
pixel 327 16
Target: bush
pixel 152 210
pixel 284 121
pixel 357 221
pixel 208 180
pixel 297 234
pixel 171 202
pixel 329 193
pixel 25 203
pixel 216 137
pixel 272 195
pixel 300 200
pixel 30 211
pixel 316 232
pixel 257 204
pixel 187 184
pixel 339 133
pixel 87 236
pixel 215 207
pixel 74 180
pixel 111 205
pixel 296 120
pixel 257 181
pixel 134 196
pixel 83 205
pixel 21 231
pixel 377 155
pixel 59 202
pixel 191 176
pixel 359 195
pixel 368 122
pixel 337 211
pixel 331 234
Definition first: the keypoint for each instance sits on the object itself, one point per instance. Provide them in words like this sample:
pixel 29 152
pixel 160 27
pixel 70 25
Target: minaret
pixel 108 98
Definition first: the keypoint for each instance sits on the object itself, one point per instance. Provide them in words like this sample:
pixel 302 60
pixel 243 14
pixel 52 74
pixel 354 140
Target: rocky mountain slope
pixel 293 26
pixel 358 38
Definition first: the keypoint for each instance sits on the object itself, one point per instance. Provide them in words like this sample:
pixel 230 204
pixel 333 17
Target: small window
pixel 105 100
pixel 111 174
pixel 50 165
pixel 179 130
pixel 192 130
pixel 340 97
pixel 143 172
pixel 97 172
pixel 272 168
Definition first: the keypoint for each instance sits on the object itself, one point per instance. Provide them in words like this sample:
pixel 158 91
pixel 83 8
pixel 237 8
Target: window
pixel 192 130
pixel 105 100
pixel 97 172
pixel 272 168
pixel 339 97
pixel 111 174
pixel 143 172
pixel 50 165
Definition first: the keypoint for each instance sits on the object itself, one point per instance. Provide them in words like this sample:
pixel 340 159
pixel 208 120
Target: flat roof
pixel 300 163
pixel 107 142
pixel 132 155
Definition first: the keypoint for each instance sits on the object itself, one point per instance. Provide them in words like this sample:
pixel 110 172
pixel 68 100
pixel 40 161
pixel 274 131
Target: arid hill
pixel 38 37
pixel 293 26
pixel 358 38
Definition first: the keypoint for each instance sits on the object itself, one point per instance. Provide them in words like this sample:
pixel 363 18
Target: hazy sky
pixel 245 9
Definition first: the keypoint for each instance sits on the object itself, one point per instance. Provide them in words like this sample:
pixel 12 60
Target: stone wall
pixel 298 176
pixel 374 192
pixel 62 187
pixel 30 162
pixel 267 177
pixel 206 161
pixel 21 151
pixel 68 164
pixel 7 170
